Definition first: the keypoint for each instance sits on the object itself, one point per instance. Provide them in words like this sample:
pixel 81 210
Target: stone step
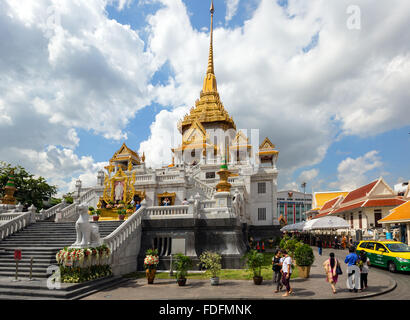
pixel 23 274
pixel 26 264
pixel 67 291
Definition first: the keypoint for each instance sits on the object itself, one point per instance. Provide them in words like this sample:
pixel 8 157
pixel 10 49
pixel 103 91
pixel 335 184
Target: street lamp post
pixel 303 185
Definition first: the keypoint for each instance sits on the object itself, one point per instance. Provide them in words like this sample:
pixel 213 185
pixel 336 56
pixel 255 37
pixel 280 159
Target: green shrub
pixel 181 264
pixel 254 262
pixel 212 263
pixel 304 255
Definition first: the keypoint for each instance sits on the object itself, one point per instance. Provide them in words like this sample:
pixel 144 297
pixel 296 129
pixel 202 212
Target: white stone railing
pixel 116 238
pixel 162 178
pixel 66 213
pixel 207 190
pixel 69 213
pixel 143 178
pixel 10 216
pixel 167 210
pixel 45 214
pixel 17 223
pixel 208 204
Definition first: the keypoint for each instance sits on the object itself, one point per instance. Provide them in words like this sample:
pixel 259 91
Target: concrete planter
pixel 181 282
pixel 257 280
pixel 214 281
pixel 304 271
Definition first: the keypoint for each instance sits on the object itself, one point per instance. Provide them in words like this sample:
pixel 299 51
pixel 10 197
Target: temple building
pixel 219 190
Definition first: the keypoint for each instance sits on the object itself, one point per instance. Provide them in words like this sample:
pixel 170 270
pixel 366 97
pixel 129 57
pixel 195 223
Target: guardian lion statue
pixel 88 234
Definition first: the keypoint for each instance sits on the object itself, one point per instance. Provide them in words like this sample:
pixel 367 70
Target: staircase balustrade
pixel 124 231
pixel 16 224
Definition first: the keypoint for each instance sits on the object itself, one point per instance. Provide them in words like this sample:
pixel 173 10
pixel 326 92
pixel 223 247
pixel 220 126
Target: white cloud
pixel 231 8
pixel 308 175
pixel 353 173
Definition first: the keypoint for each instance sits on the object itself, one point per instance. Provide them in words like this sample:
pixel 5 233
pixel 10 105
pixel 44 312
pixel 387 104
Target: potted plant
pixel 96 215
pixel 91 211
pixel 130 209
pixel 254 262
pixel 110 205
pixel 151 262
pixel 212 263
pixel 121 205
pixel 121 214
pixel 304 259
pixel 181 265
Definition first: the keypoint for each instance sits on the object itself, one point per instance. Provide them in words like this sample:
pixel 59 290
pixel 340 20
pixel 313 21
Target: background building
pixel 292 204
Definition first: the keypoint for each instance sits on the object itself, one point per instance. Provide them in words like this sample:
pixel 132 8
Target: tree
pixel 30 190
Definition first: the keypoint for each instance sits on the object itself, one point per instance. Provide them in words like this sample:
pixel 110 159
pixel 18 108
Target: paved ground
pixel 314 287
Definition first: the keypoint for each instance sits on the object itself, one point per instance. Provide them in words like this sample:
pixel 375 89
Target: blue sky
pixel 334 101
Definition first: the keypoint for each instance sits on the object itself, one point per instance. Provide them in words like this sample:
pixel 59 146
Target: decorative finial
pixel 210 80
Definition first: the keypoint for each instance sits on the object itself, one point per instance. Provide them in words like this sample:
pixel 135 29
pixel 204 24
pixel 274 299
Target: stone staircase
pixel 41 241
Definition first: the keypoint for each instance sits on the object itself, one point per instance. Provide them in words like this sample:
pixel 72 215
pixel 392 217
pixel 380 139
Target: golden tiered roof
pixel 209 108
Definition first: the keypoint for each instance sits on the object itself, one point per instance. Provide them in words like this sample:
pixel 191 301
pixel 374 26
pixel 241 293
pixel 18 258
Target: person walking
pixel 364 263
pixel 286 272
pixel 344 242
pixel 277 267
pixel 351 260
pixel 319 246
pixel 330 265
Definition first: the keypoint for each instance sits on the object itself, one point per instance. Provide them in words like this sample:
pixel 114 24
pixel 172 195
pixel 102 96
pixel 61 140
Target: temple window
pixel 261 187
pixel 261 214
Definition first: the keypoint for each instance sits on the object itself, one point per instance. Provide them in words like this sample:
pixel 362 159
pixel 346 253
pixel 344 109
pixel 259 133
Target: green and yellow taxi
pixel 390 254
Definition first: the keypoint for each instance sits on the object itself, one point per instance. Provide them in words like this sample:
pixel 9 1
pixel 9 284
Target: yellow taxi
pixel 390 254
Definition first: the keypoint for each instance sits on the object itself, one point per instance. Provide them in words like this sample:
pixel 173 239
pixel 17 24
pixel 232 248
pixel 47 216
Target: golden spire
pixel 210 80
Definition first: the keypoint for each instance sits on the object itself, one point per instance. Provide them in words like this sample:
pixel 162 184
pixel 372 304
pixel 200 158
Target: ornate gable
pixel 195 134
pixel 267 148
pixel 126 154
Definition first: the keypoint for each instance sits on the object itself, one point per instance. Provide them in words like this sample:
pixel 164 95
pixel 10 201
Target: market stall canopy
pixel 326 223
pixel 294 227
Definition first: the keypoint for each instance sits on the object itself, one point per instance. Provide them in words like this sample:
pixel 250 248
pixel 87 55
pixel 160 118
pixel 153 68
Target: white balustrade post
pixel 32 210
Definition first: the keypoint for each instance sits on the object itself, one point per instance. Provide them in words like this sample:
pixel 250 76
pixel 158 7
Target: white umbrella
pixel 326 223
pixel 294 227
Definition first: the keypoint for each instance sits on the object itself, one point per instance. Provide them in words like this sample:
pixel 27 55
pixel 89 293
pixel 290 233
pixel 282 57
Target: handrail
pixel 209 191
pixel 69 211
pixel 116 238
pixel 10 216
pixel 45 214
pixel 15 224
pixel 167 210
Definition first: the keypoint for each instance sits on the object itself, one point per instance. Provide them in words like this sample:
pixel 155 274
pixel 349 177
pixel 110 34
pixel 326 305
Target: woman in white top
pixel 286 272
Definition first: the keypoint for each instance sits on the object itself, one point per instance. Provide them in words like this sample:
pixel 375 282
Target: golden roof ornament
pixel 208 109
pixel 9 190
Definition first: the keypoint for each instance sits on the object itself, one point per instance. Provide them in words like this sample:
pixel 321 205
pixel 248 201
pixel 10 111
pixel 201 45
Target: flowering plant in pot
pixel 121 214
pixel 211 261
pixel 121 205
pixel 130 209
pixel 96 215
pixel 181 265
pixel 151 262
pixel 254 262
pixel 110 205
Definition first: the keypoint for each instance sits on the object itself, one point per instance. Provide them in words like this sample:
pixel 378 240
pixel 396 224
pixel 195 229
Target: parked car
pixel 393 255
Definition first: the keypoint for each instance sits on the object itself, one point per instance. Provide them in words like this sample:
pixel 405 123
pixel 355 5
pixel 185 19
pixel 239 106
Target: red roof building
pixel 364 206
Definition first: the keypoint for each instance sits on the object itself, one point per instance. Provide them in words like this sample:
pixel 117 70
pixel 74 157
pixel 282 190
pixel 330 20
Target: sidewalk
pixel 315 287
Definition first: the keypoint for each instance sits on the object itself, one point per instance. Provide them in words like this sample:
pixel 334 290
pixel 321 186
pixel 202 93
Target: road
pixel 401 292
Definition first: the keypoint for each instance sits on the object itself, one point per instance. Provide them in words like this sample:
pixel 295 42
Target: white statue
pixel 119 191
pixel 237 203
pixel 88 234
